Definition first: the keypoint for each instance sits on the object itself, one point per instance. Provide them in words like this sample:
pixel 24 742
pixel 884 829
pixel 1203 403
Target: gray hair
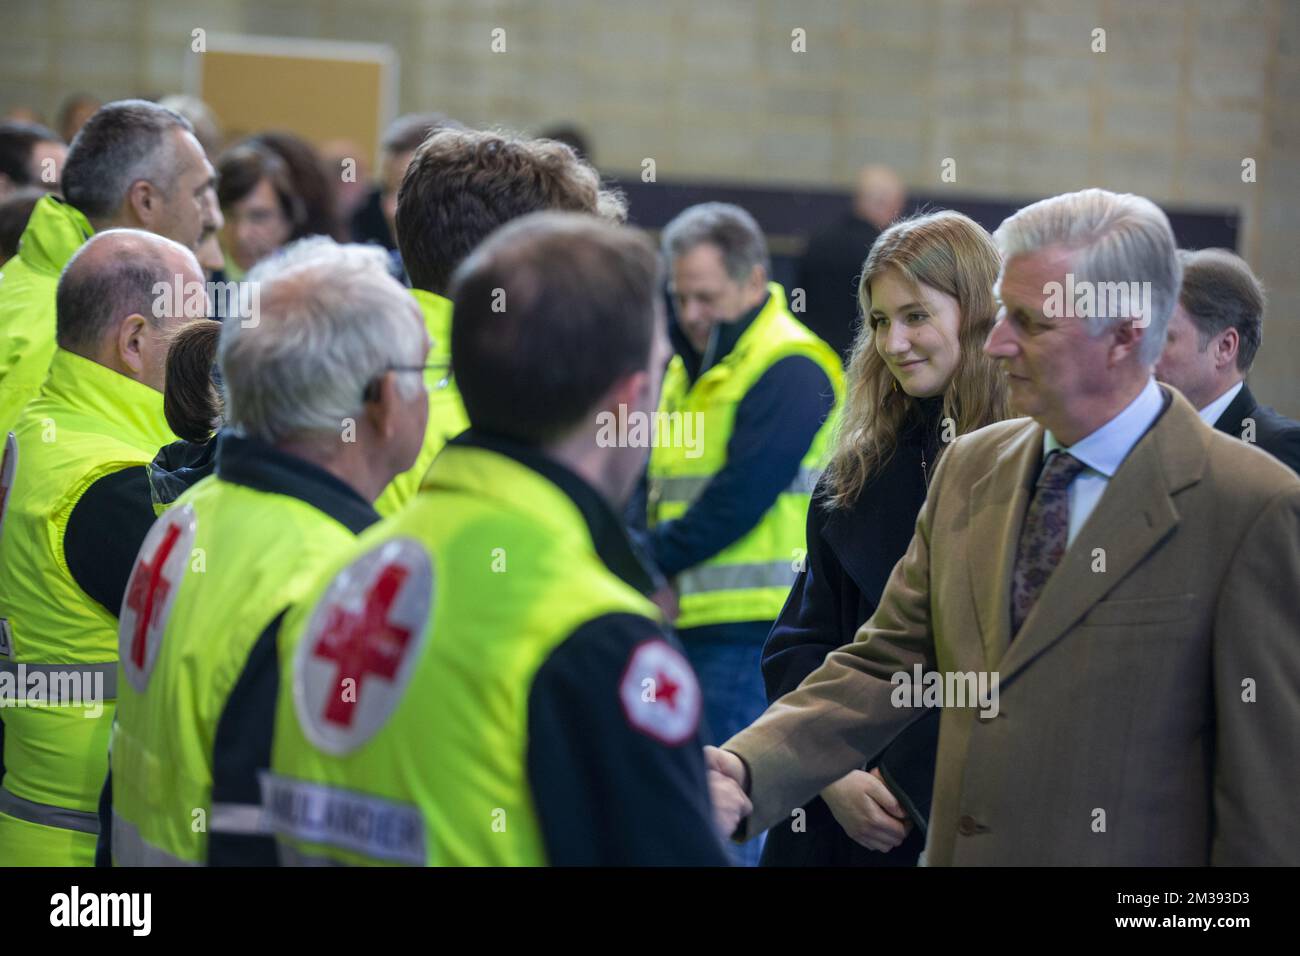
pixel 330 321
pixel 120 144
pixel 1116 239
pixel 729 227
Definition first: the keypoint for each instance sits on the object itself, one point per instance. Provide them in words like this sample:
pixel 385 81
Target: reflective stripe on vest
pixel 46 815
pixel 736 577
pixel 237 818
pixel 60 674
pixel 131 849
pixel 685 489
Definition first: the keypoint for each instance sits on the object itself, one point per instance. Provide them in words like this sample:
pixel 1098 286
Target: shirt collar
pixel 1212 412
pixel 1106 448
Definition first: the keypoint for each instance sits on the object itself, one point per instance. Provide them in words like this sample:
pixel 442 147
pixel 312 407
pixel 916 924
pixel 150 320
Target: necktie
pixel 1043 538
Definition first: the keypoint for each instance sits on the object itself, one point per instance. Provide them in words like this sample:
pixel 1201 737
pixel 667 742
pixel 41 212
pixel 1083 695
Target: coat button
pixel 967 826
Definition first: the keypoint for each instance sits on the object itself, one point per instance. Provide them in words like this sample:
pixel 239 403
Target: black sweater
pixel 851 552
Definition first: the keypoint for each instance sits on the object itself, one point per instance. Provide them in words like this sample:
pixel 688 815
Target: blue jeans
pixel 727 663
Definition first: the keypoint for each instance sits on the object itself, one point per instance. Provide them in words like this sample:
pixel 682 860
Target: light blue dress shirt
pixel 1104 451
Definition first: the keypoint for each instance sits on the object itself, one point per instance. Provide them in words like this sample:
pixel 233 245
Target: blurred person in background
pixel 74 112
pixel 350 174
pixel 311 181
pixel 918 377
pixel 1214 335
pixel 261 210
pixel 30 155
pixel 828 272
pixel 15 209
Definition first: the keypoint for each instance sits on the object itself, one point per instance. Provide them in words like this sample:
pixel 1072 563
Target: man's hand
pixel 730 805
pixel 868 812
pixel 728 781
pixel 666 600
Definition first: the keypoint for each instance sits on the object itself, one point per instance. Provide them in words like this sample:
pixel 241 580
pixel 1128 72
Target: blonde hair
pixel 945 251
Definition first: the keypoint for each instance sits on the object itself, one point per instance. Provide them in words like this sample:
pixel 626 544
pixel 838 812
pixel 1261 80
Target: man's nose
pixel 1000 343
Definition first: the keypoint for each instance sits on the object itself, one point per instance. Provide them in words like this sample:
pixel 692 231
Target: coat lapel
pixel 998 504
pixel 1134 515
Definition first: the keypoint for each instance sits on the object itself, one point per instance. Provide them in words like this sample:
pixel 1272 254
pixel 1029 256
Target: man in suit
pixel 1125 572
pixel 1215 332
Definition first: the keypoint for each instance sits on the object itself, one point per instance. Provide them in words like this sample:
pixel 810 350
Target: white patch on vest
pixel 151 592
pixel 660 694
pixel 8 468
pixel 317 813
pixel 361 645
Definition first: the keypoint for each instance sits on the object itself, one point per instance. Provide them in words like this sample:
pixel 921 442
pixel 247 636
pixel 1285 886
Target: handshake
pixel 728 783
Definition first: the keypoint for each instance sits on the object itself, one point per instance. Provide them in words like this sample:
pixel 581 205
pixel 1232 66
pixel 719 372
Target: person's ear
pixel 1226 346
pixel 757 283
pixel 130 343
pixel 633 391
pixel 383 408
pixel 144 203
pixel 1127 340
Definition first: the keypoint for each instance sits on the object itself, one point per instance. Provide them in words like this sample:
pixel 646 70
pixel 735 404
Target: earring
pixel 895 385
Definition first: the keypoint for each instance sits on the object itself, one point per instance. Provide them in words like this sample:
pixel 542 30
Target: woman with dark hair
pixel 194 408
pixel 917 378
pixel 311 181
pixel 261 208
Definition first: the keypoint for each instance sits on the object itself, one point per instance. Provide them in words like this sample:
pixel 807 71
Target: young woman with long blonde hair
pixel 917 378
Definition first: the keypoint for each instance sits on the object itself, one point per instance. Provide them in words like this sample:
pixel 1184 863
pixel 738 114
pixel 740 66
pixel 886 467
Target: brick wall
pixel 1009 89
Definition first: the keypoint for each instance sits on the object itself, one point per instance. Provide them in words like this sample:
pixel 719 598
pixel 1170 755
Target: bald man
pixel 76 511
pixel 833 260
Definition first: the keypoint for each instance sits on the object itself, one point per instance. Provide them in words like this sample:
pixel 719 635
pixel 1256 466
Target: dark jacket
pixel 1274 432
pixel 851 553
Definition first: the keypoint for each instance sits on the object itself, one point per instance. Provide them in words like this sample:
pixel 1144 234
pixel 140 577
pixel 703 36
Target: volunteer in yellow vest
pixel 458 188
pixel 747 401
pixel 78 508
pixel 133 165
pixel 483 680
pixel 324 402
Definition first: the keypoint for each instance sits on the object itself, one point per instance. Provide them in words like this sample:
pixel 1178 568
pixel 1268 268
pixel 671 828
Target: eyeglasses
pixel 371 393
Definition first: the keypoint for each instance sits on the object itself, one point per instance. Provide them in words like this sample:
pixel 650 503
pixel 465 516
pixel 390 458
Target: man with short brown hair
pixel 1214 334
pixel 459 187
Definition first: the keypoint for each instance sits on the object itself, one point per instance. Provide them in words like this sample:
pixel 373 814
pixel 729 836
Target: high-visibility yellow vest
pixel 87 422
pixel 28 283
pixel 750 578
pixel 213 573
pixel 440 618
pixel 447 417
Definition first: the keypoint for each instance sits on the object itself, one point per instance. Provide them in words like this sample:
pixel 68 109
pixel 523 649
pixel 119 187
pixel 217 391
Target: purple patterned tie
pixel 1043 538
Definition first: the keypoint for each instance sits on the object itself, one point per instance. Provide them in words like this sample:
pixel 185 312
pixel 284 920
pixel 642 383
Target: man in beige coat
pixel 1127 579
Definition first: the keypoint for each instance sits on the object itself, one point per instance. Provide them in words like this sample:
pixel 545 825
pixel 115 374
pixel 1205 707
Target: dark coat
pixel 851 553
pixel 1274 432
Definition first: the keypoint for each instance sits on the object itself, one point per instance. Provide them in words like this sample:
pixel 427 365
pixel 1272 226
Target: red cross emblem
pixel 151 591
pixel 660 693
pixel 146 587
pixel 363 644
pixel 367 629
